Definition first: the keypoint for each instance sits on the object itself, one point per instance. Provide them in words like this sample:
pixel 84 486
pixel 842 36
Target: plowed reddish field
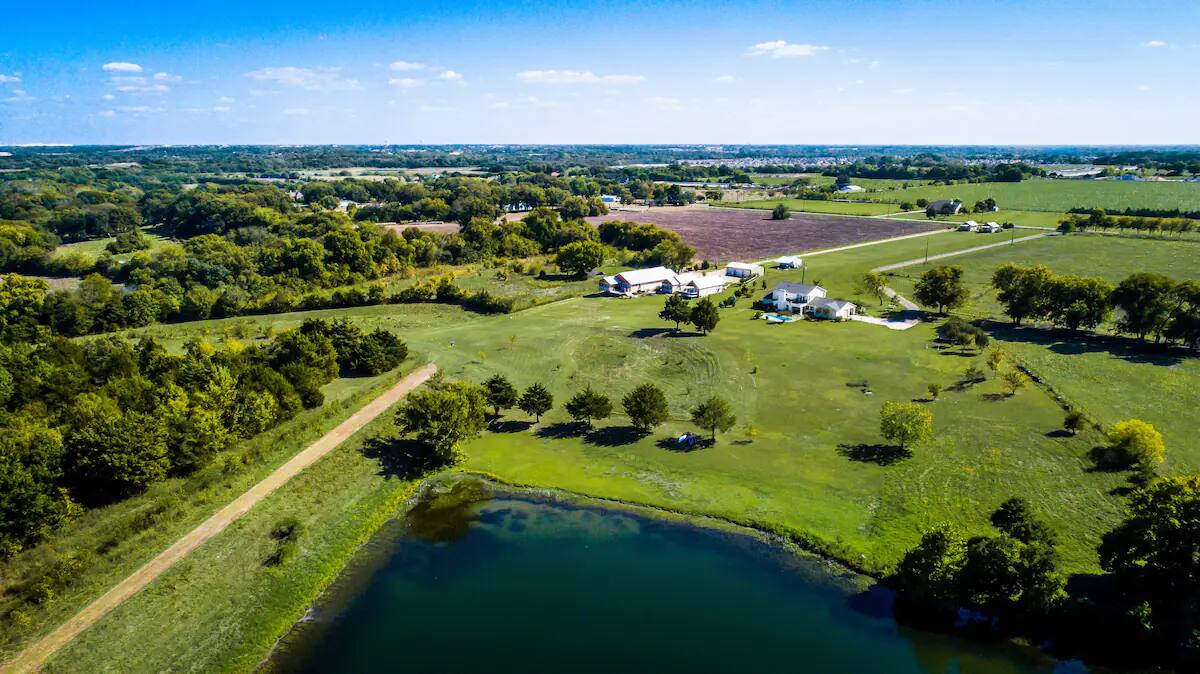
pixel 731 234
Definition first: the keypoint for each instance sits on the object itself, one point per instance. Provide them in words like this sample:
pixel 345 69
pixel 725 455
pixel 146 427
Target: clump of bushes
pixel 285 533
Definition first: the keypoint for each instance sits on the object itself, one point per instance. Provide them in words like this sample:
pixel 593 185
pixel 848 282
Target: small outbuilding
pixel 639 281
pixel 831 310
pixel 743 269
pixel 788 262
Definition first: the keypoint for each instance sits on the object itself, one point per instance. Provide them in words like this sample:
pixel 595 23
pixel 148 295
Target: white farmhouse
pixel 790 296
pixel 639 281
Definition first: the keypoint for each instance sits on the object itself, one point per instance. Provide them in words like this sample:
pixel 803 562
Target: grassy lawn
pixel 1110 380
pixel 95 247
pixel 814 206
pixel 1043 194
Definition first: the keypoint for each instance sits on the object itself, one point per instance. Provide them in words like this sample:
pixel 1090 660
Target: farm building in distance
pixel 743 269
pixel 944 207
pixel 788 262
pixel 639 281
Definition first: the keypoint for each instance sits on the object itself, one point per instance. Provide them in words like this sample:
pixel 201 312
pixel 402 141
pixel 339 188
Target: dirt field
pixel 729 234
pixel 450 227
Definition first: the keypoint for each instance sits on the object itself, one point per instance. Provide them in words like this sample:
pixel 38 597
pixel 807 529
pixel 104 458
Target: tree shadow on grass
pixel 562 430
pixel 882 455
pixel 1060 433
pixel 510 426
pixel 613 436
pixel 401 458
pixel 645 333
pixel 996 397
pixel 1067 344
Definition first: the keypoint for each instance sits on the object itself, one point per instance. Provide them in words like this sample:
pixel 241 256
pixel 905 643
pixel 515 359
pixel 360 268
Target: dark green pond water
pixel 512 584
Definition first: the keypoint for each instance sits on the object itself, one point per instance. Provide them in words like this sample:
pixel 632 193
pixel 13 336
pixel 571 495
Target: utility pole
pixel 926 249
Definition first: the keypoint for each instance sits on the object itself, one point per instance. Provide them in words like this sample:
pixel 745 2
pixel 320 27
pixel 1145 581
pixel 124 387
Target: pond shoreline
pixel 789 546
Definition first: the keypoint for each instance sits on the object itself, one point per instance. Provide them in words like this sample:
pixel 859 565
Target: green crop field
pixel 1043 194
pixel 1026 218
pixel 1109 381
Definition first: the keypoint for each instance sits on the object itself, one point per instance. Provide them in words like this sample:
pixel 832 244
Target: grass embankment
pixel 223 607
pixel 116 540
pixel 1110 379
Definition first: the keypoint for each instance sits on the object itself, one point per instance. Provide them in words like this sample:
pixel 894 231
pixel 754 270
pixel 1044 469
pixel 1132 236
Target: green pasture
pixel 1044 194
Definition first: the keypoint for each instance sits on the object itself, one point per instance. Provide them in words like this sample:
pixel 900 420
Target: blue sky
pixel 855 71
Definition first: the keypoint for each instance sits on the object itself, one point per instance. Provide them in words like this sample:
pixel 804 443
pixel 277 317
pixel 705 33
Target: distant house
pixel 944 207
pixel 1131 176
pixel 693 285
pixel 790 296
pixel 849 188
pixel 639 281
pixel 788 262
pixel 1077 173
pixel 968 226
pixel 610 199
pixel 990 228
pixel 830 310
pixel 743 269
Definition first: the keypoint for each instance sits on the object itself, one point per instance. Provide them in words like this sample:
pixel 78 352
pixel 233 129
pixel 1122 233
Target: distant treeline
pixel 1140 212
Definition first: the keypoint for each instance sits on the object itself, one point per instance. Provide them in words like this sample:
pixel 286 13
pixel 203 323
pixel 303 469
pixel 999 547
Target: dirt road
pixel 36 655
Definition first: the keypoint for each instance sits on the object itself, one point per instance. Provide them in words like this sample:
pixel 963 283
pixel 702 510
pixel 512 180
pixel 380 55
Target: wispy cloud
pixel 138 84
pixel 777 49
pixel 436 108
pixel 19 96
pixel 311 79
pixel 404 66
pixel 9 79
pixel 121 67
pixel 295 112
pixel 665 103
pixel 141 109
pixel 576 77
pixel 450 76
pixel 166 77
pixel 221 108
pixel 1144 87
pixel 406 82
pixel 1156 44
pixel 724 79
pixel 107 113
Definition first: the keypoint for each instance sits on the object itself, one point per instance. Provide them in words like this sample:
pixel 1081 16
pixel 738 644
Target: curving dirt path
pixel 36 655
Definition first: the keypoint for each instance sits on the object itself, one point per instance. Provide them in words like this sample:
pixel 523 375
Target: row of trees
pixel 95 422
pixel 444 415
pixel 1099 219
pixel 1150 305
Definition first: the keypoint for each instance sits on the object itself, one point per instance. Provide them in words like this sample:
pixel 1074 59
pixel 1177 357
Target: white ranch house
pixel 809 300
pixel 639 281
pixel 694 285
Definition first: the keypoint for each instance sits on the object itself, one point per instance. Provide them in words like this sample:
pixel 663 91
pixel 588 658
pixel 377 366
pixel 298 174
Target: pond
pixel 513 583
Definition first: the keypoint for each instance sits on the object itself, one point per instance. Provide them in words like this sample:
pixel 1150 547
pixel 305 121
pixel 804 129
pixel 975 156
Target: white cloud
pixel 224 100
pixel 262 92
pixel 724 79
pixel 296 112
pixel 525 102
pixel 108 97
pixel 406 82
pixel 1156 44
pixel 139 109
pixel 121 67
pixel 9 79
pixel 312 79
pixel 436 108
pixel 221 108
pixel 665 103
pixel 107 113
pixel 576 77
pixel 777 49
pixel 167 77
pixel 1144 87
pixel 450 76
pixel 403 66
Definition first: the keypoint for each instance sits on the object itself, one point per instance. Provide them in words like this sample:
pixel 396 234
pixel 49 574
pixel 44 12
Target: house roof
pixel 637 277
pixel 836 305
pixel 942 202
pixel 789 259
pixel 743 265
pixel 796 288
pixel 707 281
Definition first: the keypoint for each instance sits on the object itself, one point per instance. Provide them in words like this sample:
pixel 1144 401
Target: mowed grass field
pixel 1109 379
pixel 1045 194
pixel 1024 218
pixel 806 452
